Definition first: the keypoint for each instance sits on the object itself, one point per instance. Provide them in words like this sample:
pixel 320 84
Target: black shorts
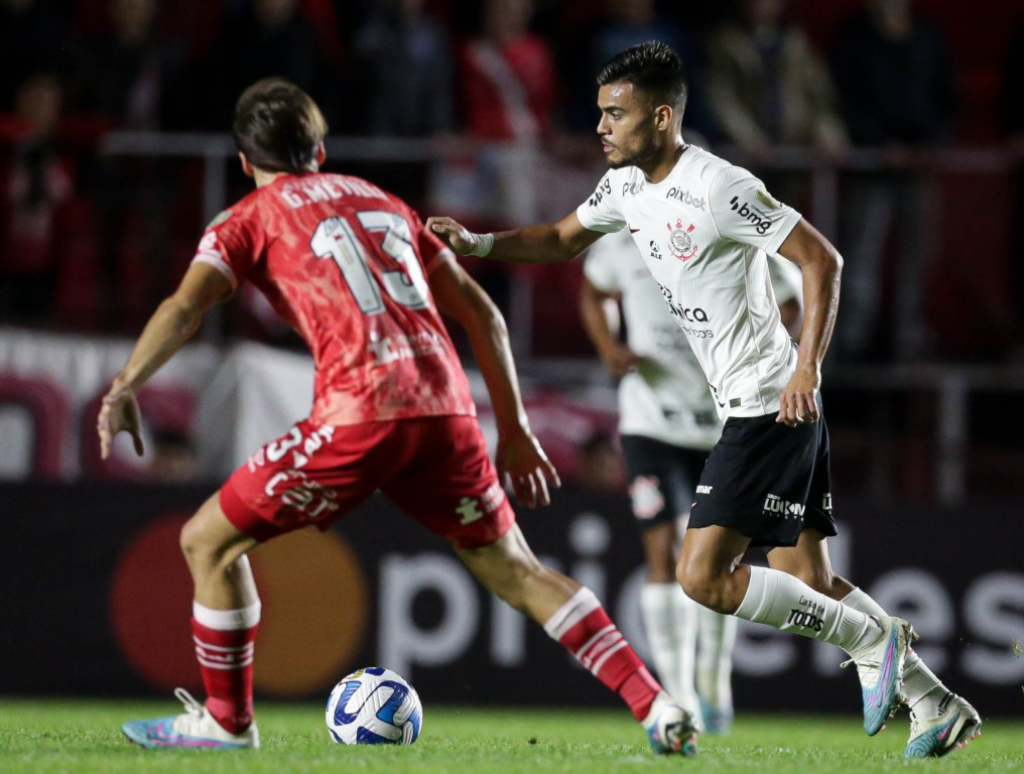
pixel 767 481
pixel 662 478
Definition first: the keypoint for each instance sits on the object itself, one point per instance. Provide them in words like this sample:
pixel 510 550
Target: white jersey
pixel 705 232
pixel 667 396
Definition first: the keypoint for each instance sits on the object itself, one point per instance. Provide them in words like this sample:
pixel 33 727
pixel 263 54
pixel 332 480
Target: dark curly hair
pixel 653 68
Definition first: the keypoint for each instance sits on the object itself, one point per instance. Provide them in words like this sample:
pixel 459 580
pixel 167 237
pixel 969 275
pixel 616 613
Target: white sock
pixel 684 614
pixel 781 600
pixel 660 624
pixel 716 638
pixel 227 620
pixel 921 685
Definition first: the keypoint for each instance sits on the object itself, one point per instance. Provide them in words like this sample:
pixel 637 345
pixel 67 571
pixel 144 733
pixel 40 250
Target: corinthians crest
pixel 680 242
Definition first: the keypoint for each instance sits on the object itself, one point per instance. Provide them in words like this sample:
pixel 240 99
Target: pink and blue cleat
pixel 880 668
pixel 954 724
pixel 194 729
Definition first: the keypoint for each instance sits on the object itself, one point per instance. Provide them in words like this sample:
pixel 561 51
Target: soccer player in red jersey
pixel 353 270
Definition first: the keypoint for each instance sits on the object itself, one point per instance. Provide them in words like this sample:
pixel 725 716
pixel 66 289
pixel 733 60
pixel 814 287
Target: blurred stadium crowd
pixel 897 126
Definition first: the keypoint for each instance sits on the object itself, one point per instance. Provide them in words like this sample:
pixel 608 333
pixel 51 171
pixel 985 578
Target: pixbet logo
pixel 744 210
pixel 686 198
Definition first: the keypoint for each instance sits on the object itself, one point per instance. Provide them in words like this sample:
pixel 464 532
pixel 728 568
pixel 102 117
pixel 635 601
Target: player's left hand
pixel 522 463
pixel 120 411
pixel 799 399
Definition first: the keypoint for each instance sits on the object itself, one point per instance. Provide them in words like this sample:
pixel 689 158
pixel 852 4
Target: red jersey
pixel 346 264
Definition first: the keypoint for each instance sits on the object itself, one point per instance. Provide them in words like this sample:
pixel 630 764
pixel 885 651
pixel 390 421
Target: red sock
pixel 225 659
pixel 583 627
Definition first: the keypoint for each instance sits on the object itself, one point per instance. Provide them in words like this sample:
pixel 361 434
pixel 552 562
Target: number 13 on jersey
pixel 335 239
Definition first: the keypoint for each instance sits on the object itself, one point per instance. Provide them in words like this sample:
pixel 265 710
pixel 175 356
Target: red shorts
pixel 436 469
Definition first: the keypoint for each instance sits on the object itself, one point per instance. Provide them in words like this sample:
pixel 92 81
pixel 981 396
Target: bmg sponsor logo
pixel 603 189
pixel 760 223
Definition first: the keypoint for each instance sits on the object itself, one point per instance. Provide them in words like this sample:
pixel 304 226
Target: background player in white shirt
pixel 667 425
pixel 705 228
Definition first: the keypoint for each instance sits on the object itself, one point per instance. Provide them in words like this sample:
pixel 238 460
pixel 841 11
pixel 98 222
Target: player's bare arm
pixel 599 312
pixel 173 323
pixel 519 459
pixel 821 265
pixel 546 243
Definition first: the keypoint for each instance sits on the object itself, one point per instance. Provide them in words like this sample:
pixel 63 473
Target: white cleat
pixel 954 724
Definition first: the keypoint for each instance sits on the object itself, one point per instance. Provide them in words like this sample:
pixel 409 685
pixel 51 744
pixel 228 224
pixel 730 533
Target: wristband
pixel 484 244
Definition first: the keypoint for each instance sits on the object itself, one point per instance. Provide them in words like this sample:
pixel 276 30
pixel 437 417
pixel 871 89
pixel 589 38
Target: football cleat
pixel 194 729
pixel 880 668
pixel 671 730
pixel 954 725
pixel 716 720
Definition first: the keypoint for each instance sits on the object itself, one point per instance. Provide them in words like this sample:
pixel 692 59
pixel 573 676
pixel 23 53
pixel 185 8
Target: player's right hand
pixel 120 411
pixel 620 360
pixel 522 463
pixel 454 234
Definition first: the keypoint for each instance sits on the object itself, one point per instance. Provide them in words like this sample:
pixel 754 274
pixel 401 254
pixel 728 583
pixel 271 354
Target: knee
pixel 701 584
pixel 201 553
pixel 818 578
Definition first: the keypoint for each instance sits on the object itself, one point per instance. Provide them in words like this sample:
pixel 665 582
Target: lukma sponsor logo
pixel 784 508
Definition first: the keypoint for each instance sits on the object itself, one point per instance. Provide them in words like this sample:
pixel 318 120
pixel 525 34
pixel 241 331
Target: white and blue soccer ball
pixel 374 706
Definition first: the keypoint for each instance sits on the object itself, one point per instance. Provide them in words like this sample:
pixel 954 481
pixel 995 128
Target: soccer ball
pixel 374 706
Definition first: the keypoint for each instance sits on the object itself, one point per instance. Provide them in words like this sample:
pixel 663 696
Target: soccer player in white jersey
pixel 705 228
pixel 667 425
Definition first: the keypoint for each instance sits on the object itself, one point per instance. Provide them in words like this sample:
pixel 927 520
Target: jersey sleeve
pixel 604 259
pixel 745 212
pixel 231 245
pixel 601 212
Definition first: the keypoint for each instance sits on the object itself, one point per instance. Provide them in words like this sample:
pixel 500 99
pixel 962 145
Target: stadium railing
pixel 954 388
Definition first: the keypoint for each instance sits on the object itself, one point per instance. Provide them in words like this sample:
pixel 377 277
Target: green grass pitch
pixel 83 737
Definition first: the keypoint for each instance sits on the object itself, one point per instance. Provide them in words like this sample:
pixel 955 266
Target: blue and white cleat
pixel 954 725
pixel 717 720
pixel 194 729
pixel 671 730
pixel 880 668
